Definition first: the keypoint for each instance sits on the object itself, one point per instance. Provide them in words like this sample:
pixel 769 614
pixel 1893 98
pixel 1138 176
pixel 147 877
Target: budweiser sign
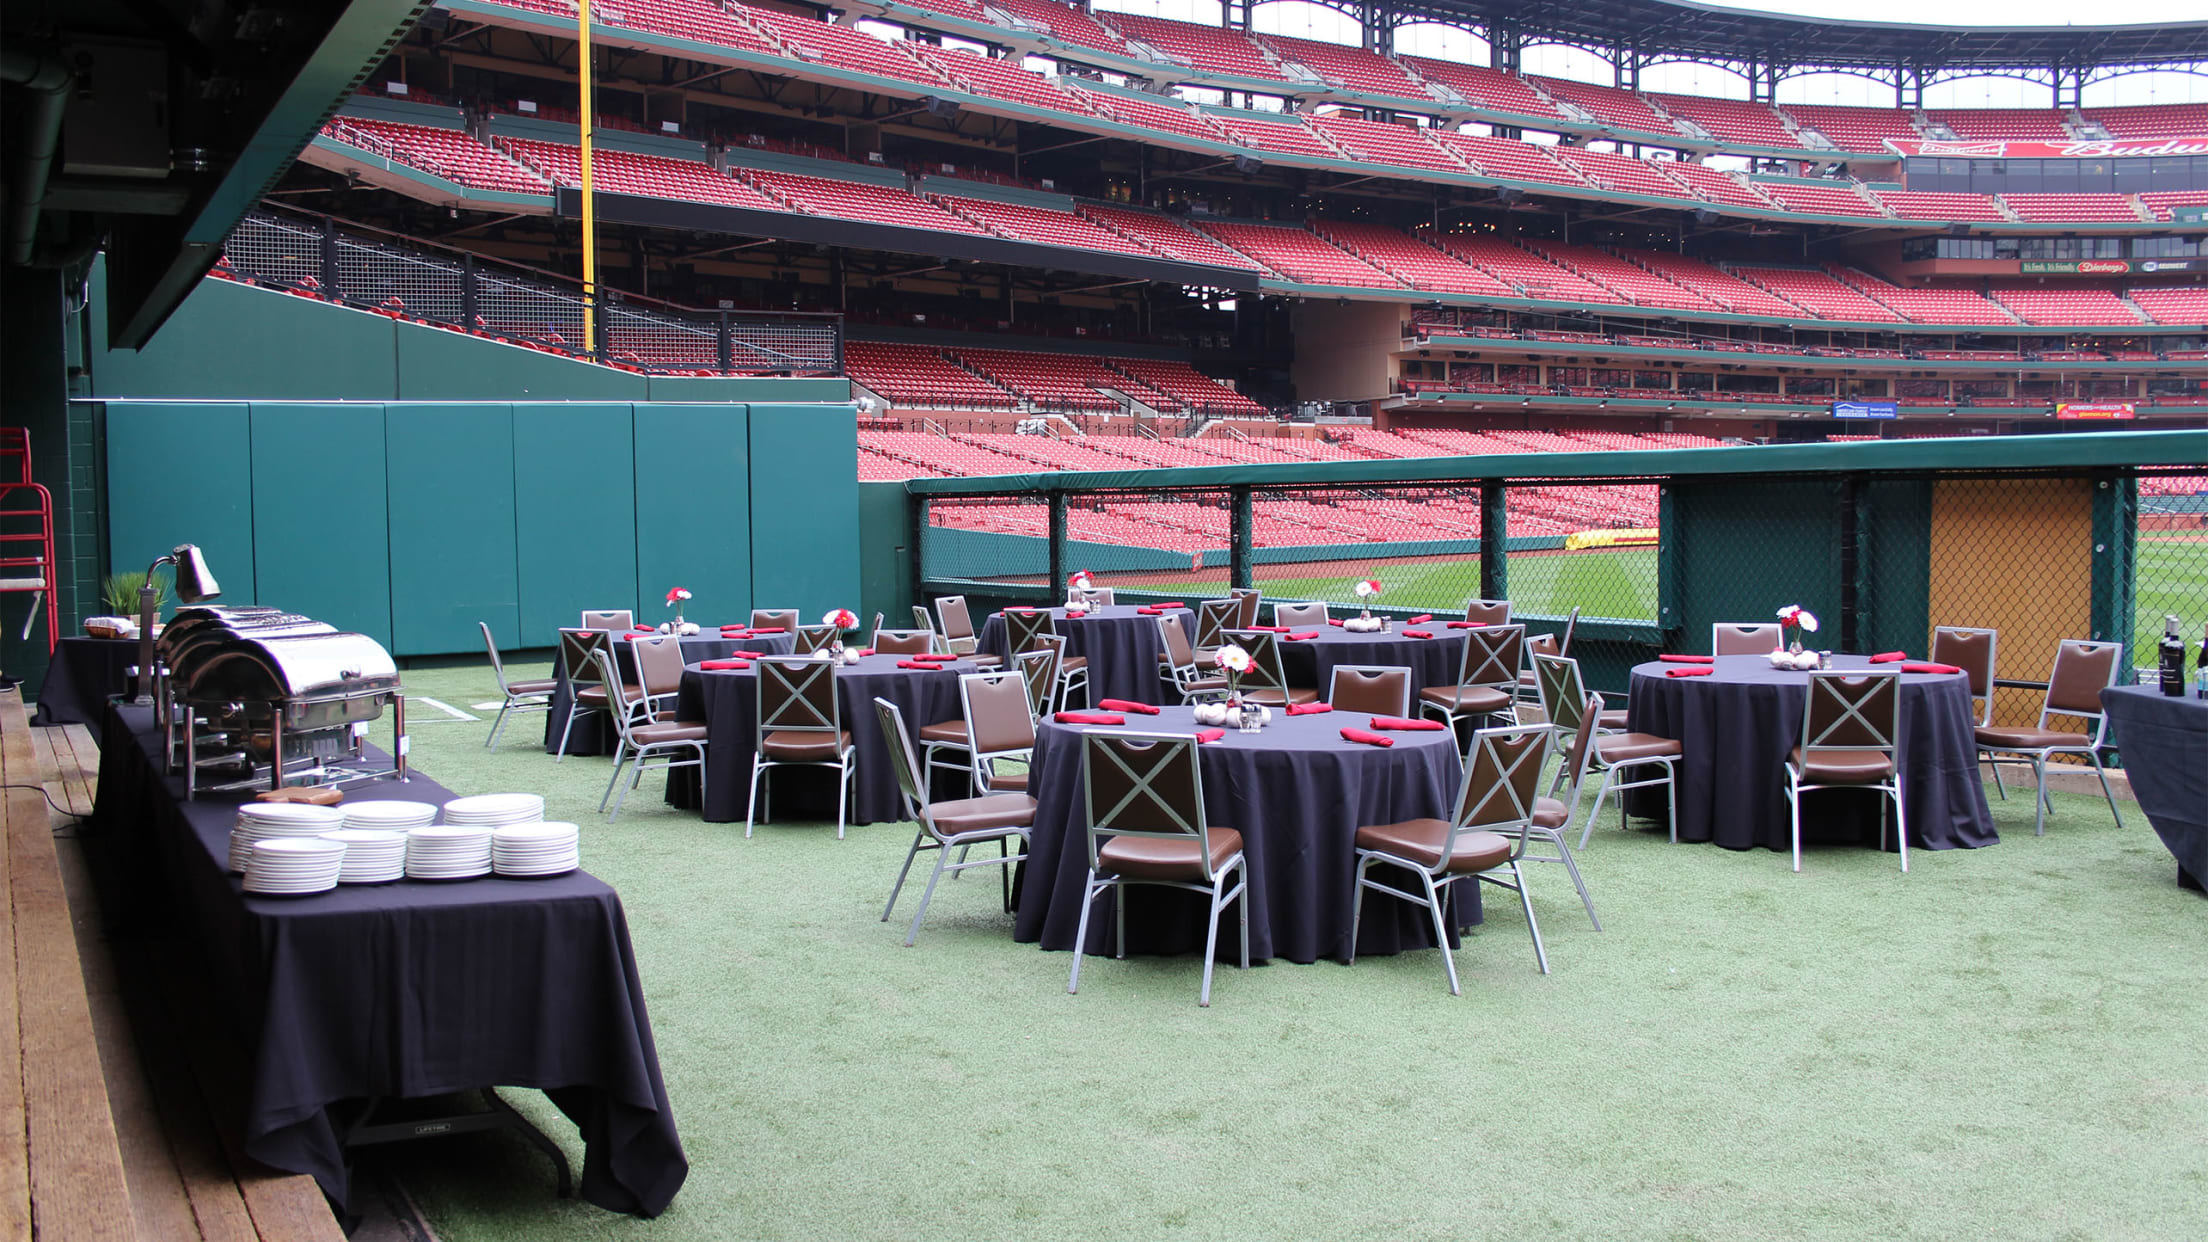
pixel 2079 149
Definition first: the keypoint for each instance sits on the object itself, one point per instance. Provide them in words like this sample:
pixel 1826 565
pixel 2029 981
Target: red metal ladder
pixel 27 560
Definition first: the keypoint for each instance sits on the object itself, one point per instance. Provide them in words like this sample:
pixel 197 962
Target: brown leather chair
pixel 1483 839
pixel 1849 723
pixel 800 724
pixel 587 690
pixel 1246 601
pixel 954 824
pixel 957 628
pixel 1563 698
pixel 1313 613
pixel 1545 644
pixel 534 695
pixel 1214 617
pixel 1177 663
pixel 1972 651
pixel 1144 798
pixel 774 619
pixel 924 623
pixel 1745 638
pixel 1267 681
pixel 1073 671
pixel 2082 670
pixel 1377 689
pixel 1552 815
pixel 902 642
pixel 1026 631
pixel 1487 677
pixel 948 738
pixel 1039 672
pixel 613 620
pixel 1488 611
pixel 659 669
pixel 643 740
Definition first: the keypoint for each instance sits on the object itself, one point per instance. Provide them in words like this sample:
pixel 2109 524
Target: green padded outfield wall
pixel 693 513
pixel 574 511
pixel 321 529
pixel 804 515
pixel 182 473
pixel 454 559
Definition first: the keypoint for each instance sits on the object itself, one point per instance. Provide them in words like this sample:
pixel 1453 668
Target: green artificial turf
pixel 2005 1043
pixel 2171 579
pixel 1608 583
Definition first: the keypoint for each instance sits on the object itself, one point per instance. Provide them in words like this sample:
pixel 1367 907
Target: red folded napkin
pixel 1333 620
pixel 769 629
pixel 724 664
pixel 1889 657
pixel 1095 718
pixel 1209 735
pixel 923 667
pixel 1687 659
pixel 1309 709
pixel 1422 618
pixel 1930 668
pixel 1171 603
pixel 1270 629
pixel 1418 633
pixel 1125 705
pixel 1149 612
pixel 1466 625
pixel 1368 739
pixel 935 657
pixel 1695 671
pixel 1304 637
pixel 1400 725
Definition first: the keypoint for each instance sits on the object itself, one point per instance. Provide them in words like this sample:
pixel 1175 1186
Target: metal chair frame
pixel 1981 699
pixel 576 647
pixel 783 707
pixel 1572 730
pixel 1039 670
pixel 659 666
pixel 981 769
pixel 1179 662
pixel 1562 687
pixel 931 837
pixel 1861 708
pixel 1158 754
pixel 1267 674
pixel 1489 660
pixel 509 699
pixel 922 621
pixel 2036 758
pixel 1068 678
pixel 812 638
pixel 1501 770
pixel 637 755
pixel 1214 617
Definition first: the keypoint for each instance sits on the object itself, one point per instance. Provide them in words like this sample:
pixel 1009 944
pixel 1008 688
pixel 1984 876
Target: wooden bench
pixel 125 1089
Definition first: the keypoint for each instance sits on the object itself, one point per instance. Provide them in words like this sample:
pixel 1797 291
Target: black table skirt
pixel 1738 725
pixel 2165 748
pixel 593 733
pixel 83 675
pixel 1432 661
pixel 727 700
pixel 1297 793
pixel 1121 645
pixel 400 990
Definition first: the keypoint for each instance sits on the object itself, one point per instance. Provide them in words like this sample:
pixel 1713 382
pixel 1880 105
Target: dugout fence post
pixel 2115 559
pixel 1242 511
pixel 1494 540
pixel 1057 559
pixel 1854 523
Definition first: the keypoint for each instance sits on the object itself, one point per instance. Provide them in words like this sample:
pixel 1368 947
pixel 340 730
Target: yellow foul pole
pixel 590 209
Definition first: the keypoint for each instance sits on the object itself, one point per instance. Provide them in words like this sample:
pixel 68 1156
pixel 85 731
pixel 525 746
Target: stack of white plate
pixel 372 855
pixel 389 816
pixel 536 849
pixel 262 821
pixel 290 866
pixel 494 810
pixel 448 853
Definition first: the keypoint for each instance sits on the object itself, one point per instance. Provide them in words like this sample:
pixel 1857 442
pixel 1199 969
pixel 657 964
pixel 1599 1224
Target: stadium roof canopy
pixel 1666 28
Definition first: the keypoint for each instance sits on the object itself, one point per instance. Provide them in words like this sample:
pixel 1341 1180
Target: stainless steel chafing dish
pixel 257 686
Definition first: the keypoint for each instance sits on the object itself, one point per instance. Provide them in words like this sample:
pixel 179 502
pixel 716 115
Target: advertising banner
pixel 2076 267
pixel 2068 149
pixel 1865 409
pixel 2094 409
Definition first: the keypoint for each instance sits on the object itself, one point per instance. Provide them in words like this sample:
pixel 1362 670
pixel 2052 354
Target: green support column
pixel 1494 541
pixel 1057 543
pixel 1239 568
pixel 2115 557
pixel 1669 618
pixel 1855 563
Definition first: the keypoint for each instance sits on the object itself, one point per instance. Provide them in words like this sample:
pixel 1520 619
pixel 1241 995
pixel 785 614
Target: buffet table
pixel 2164 742
pixel 1297 793
pixel 1121 644
pixel 1738 724
pixel 593 732
pixel 82 676
pixel 409 989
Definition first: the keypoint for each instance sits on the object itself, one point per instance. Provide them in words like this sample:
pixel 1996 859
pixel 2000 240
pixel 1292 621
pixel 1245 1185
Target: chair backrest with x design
pixel 1039 670
pixel 1563 693
pixel 1971 650
pixel 1214 617
pixel 1265 672
pixel 1571 627
pixel 774 619
pixel 811 638
pixel 1502 777
pixel 575 649
pixel 1488 611
pixel 1492 656
pixel 798 696
pixel 926 624
pixel 1022 627
pixel 1851 710
pixel 1142 785
pixel 2082 670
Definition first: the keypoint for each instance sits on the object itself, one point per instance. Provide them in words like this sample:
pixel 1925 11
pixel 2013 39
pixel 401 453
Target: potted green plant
pixel 119 593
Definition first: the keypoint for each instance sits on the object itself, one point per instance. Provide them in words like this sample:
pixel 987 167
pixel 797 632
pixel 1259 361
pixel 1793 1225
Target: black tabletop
pixel 2164 741
pixel 1738 724
pixel 1432 661
pixel 83 674
pixel 1297 793
pixel 400 990
pixel 1120 643
pixel 727 700
pixel 593 734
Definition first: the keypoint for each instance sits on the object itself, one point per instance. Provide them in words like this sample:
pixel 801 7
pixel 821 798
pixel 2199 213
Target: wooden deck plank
pixel 15 1163
pixel 76 1172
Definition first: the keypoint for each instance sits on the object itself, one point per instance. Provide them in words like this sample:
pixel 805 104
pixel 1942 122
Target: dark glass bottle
pixel 2173 659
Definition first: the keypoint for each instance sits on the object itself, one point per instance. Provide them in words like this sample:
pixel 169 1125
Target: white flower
pixel 1806 619
pixel 1232 658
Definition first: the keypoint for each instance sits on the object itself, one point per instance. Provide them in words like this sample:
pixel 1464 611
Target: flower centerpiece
pixel 1078 585
pixel 842 619
pixel 1790 654
pixel 1364 622
pixel 675 598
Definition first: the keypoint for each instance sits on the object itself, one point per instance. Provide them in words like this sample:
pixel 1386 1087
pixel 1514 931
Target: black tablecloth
pixel 2165 747
pixel 1297 793
pixel 593 733
pixel 400 990
pixel 1738 724
pixel 1122 647
pixel 1432 661
pixel 82 676
pixel 727 700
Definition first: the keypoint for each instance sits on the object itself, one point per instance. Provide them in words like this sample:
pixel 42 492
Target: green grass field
pixel 2172 579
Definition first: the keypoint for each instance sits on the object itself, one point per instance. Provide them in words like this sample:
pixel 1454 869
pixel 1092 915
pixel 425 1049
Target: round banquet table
pixel 1297 793
pixel 1121 644
pixel 83 675
pixel 593 733
pixel 1738 724
pixel 1432 661
pixel 727 700
pixel 2164 739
